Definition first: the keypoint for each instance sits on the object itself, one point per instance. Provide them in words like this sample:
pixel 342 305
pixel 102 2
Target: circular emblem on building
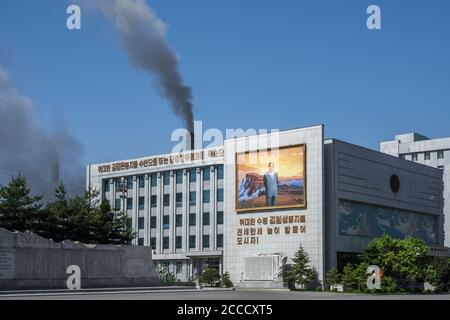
pixel 395 183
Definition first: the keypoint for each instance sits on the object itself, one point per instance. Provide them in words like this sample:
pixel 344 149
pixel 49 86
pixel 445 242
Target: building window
pixel 178 242
pixel 129 203
pixel 206 218
pixel 192 175
pixel 191 242
pixel 152 222
pixel 427 155
pixel 179 176
pixel 153 201
pixel 153 243
pixel 166 178
pixel 206 174
pixel 441 167
pixel 192 219
pixel 220 195
pixel 141 223
pixel 402 156
pixel 220 172
pixel 414 157
pixel 219 240
pixel 219 217
pixel 179 220
pixel 440 154
pixel 205 196
pixel 141 181
pixel 166 220
pixel 179 267
pixel 140 241
pixel 141 203
pixel 165 242
pixel 117 184
pixel 117 204
pixel 166 200
pixel 192 198
pixel 153 180
pixel 205 241
pixel 179 199
pixel 106 185
pixel 129 182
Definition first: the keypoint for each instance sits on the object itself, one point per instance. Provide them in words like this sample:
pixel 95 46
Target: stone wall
pixel 28 261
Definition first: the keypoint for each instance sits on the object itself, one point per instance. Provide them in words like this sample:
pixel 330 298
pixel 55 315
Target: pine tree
pixel 301 272
pixel 18 210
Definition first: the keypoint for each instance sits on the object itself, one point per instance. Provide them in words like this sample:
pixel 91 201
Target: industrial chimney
pixel 190 141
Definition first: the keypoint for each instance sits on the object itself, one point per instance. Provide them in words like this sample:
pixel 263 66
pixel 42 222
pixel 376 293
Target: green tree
pixel 210 276
pixel 225 280
pixel 300 271
pixel 438 273
pixel 332 277
pixel 18 209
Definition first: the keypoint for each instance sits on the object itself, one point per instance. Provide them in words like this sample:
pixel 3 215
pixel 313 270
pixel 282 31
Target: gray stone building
pixel 211 207
pixel 431 152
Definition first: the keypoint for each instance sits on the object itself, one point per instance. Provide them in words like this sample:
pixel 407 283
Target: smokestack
pixel 190 141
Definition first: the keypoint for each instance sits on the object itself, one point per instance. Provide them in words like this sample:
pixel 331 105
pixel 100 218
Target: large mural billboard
pixel 271 179
pixel 357 219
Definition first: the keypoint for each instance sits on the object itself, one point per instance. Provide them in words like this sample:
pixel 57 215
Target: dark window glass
pixel 141 221
pixel 192 219
pixel 153 201
pixel 179 199
pixel 205 196
pixel 106 185
pixel 153 180
pixel 414 157
pixel 129 182
pixel 140 241
pixel 440 154
pixel 165 242
pixel 219 240
pixel 206 218
pixel 152 222
pixel 141 181
pixel 117 184
pixel 220 172
pixel 179 176
pixel 427 155
pixel 192 175
pixel 117 204
pixel 166 220
pixel 206 241
pixel 166 178
pixel 153 243
pixel 191 242
pixel 219 217
pixel 141 203
pixel 220 195
pixel 206 174
pixel 178 220
pixel 192 198
pixel 166 200
pixel 129 203
pixel 178 242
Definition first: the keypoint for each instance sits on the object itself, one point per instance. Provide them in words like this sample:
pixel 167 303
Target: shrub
pixel 319 289
pixel 210 276
pixel 225 280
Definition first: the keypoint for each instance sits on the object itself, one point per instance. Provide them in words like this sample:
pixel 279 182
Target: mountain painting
pixel 271 179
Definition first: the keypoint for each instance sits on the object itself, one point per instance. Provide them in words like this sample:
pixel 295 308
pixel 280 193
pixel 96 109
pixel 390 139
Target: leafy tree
pixel 301 272
pixel 18 209
pixel 332 277
pixel 225 280
pixel 210 276
pixel 438 273
pixel 165 275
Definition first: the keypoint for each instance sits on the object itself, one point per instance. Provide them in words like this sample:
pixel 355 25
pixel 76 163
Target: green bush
pixel 319 289
pixel 210 276
pixel 225 280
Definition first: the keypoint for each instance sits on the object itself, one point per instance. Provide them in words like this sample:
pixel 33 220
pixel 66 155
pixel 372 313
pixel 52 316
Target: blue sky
pixel 251 64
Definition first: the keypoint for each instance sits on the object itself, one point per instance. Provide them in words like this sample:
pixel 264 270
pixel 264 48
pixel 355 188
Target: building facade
pixel 246 207
pixel 431 152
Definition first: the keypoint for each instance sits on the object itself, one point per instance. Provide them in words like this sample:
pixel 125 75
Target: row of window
pixel 179 220
pixel 426 155
pixel 166 178
pixel 166 200
pixel 179 240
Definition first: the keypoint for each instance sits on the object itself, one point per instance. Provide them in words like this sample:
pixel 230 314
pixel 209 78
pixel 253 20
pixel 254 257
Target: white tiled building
pixel 184 206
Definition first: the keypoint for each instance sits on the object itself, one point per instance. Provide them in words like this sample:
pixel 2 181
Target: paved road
pixel 207 294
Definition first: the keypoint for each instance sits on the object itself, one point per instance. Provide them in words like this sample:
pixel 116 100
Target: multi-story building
pixel 431 152
pixel 246 207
